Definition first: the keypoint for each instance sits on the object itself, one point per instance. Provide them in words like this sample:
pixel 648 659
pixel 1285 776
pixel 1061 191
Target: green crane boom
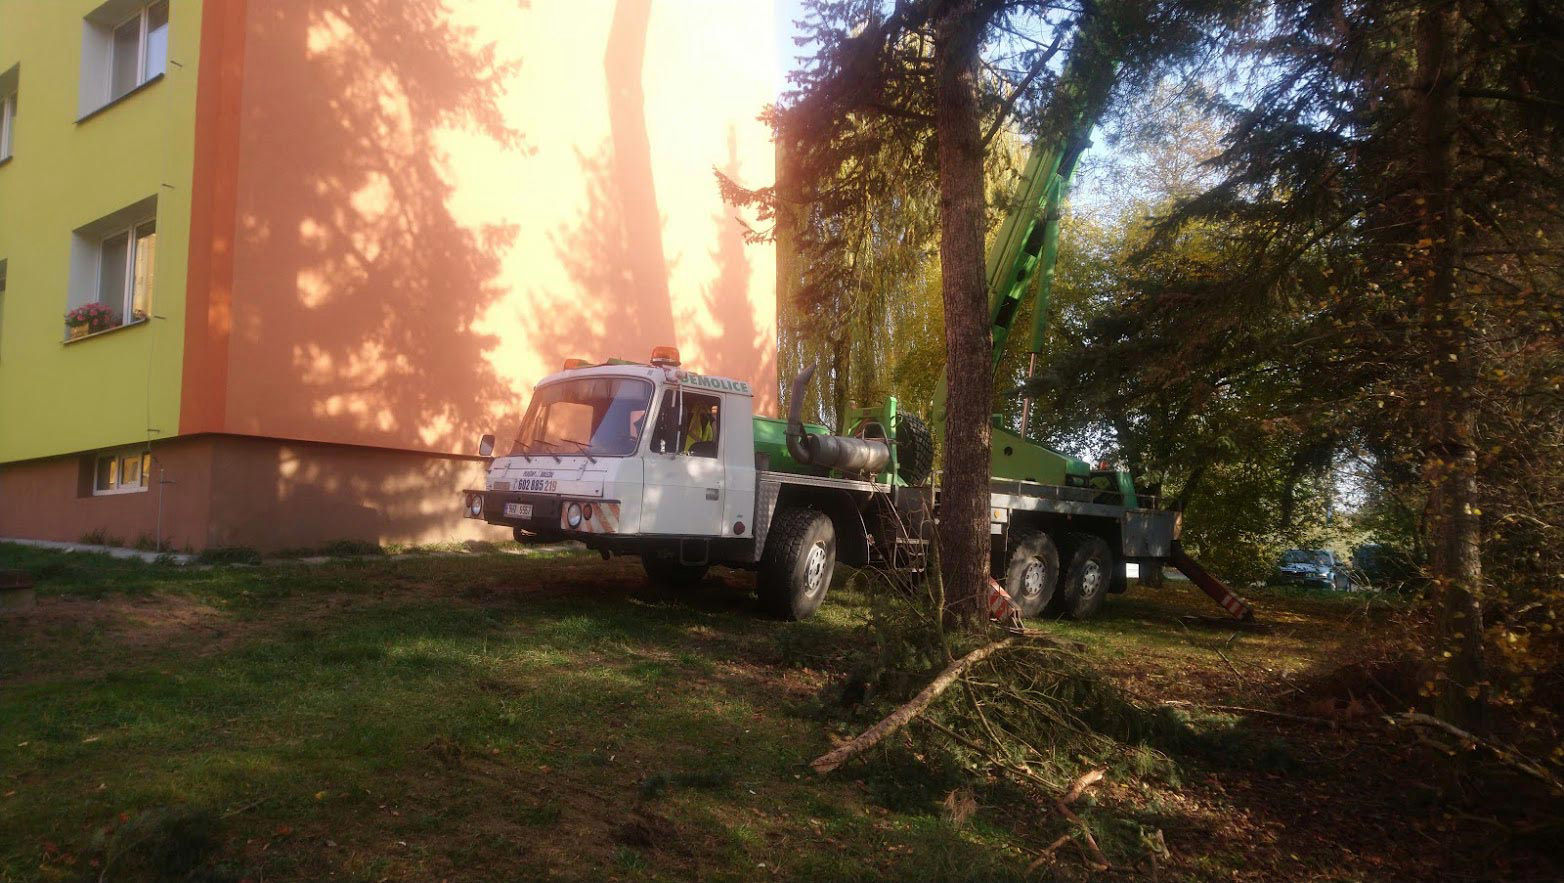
pixel 1021 263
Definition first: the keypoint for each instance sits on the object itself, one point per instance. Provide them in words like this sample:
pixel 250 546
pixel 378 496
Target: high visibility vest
pixel 700 430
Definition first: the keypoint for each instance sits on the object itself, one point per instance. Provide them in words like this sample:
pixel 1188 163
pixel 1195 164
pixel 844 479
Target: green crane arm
pixel 1021 263
pixel 1026 248
pixel 1028 243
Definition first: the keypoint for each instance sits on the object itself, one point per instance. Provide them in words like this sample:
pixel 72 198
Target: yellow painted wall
pixel 107 390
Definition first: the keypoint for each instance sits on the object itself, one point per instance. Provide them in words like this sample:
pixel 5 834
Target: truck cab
pixel 625 455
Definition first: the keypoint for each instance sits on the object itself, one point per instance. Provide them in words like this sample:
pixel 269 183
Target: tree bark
pixel 963 507
pixel 1450 454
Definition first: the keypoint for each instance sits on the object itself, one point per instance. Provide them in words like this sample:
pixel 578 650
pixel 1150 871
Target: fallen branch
pixel 1091 842
pixel 1063 805
pixel 1080 786
pixel 1244 709
pixel 1507 756
pixel 1048 853
pixel 899 718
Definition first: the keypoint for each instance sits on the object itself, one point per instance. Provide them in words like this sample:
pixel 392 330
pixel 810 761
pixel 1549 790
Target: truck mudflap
pixel 1235 606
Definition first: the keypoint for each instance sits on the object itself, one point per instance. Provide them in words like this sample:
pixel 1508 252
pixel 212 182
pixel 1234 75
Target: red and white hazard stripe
pixel 1001 607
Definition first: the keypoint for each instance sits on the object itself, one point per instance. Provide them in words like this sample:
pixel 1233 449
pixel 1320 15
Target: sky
pixel 786 12
pixel 1084 189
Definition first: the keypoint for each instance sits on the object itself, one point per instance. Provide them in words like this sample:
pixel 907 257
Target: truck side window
pixel 665 435
pixel 696 434
pixel 701 424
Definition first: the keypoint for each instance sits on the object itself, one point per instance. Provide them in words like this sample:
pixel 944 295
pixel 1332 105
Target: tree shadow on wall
pixel 615 312
pixel 612 311
pixel 729 349
pixel 614 255
pixel 357 288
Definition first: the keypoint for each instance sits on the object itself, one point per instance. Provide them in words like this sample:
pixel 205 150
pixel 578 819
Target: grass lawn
pixel 499 716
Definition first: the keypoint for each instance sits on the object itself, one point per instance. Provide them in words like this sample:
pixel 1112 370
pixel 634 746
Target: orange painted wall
pixel 279 495
pixel 436 203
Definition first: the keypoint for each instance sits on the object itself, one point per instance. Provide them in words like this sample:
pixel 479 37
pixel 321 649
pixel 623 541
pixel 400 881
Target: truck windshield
pixel 596 416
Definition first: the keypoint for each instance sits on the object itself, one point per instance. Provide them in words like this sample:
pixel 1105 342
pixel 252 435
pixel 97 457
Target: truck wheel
pixel 914 450
pixel 1087 578
pixel 670 574
pixel 795 569
pixel 1033 571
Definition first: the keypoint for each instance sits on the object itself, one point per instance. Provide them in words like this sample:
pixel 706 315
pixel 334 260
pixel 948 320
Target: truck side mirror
pixel 486 445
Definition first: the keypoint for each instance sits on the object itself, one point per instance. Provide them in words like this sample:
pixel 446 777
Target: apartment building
pixel 268 269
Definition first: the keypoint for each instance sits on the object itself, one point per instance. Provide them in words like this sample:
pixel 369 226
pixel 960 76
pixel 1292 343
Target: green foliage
pixel 100 537
pixel 1296 320
pixel 229 555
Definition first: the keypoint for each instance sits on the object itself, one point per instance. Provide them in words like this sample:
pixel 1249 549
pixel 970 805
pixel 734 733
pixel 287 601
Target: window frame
pixel 117 459
pixel 673 412
pixel 143 19
pixel 127 292
pixel 8 105
pixel 5 271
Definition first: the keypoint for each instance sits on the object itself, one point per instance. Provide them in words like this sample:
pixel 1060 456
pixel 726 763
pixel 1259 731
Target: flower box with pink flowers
pixel 89 319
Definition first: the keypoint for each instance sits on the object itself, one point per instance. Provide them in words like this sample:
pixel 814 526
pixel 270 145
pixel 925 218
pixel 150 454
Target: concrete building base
pixel 269 494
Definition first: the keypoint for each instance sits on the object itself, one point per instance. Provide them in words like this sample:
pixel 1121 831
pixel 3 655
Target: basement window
pixel 124 47
pixel 121 472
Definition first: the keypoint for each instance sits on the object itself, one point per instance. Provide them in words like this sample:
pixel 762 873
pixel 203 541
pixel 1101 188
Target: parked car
pixel 1315 568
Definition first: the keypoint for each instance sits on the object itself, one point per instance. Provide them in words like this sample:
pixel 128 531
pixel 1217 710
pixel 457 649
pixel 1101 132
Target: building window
pixel 8 107
pixel 113 271
pixel 125 271
pixel 140 49
pixel 124 46
pixel 121 472
pixel 7 124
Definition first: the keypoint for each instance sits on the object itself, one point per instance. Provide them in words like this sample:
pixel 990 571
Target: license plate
pixel 518 510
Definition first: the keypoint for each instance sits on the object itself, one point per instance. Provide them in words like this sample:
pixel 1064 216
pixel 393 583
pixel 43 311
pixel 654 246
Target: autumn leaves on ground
pixel 494 716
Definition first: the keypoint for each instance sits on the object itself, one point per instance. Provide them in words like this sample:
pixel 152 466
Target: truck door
pixel 683 486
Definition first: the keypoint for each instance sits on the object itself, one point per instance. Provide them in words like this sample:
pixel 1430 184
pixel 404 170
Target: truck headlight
pixel 573 515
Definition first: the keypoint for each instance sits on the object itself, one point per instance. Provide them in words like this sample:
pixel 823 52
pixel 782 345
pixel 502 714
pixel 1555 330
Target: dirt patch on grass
pixel 115 631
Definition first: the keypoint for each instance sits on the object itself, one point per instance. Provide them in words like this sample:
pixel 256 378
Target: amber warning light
pixel 665 355
pixel 575 363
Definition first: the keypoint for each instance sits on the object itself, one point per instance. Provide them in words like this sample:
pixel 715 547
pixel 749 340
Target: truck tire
pixel 914 450
pixel 1032 573
pixel 795 569
pixel 1087 578
pixel 670 574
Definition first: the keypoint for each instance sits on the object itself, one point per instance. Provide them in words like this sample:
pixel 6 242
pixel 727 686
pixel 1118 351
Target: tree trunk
pixel 963 532
pixel 1450 455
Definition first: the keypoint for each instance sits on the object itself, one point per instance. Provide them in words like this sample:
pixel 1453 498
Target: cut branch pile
pixel 904 715
pixel 1014 702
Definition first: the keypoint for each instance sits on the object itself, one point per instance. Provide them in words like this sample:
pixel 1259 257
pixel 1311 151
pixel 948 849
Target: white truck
pixel 649 459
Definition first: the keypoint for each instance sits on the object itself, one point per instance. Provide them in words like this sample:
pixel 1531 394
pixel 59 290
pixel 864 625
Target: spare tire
pixel 914 450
